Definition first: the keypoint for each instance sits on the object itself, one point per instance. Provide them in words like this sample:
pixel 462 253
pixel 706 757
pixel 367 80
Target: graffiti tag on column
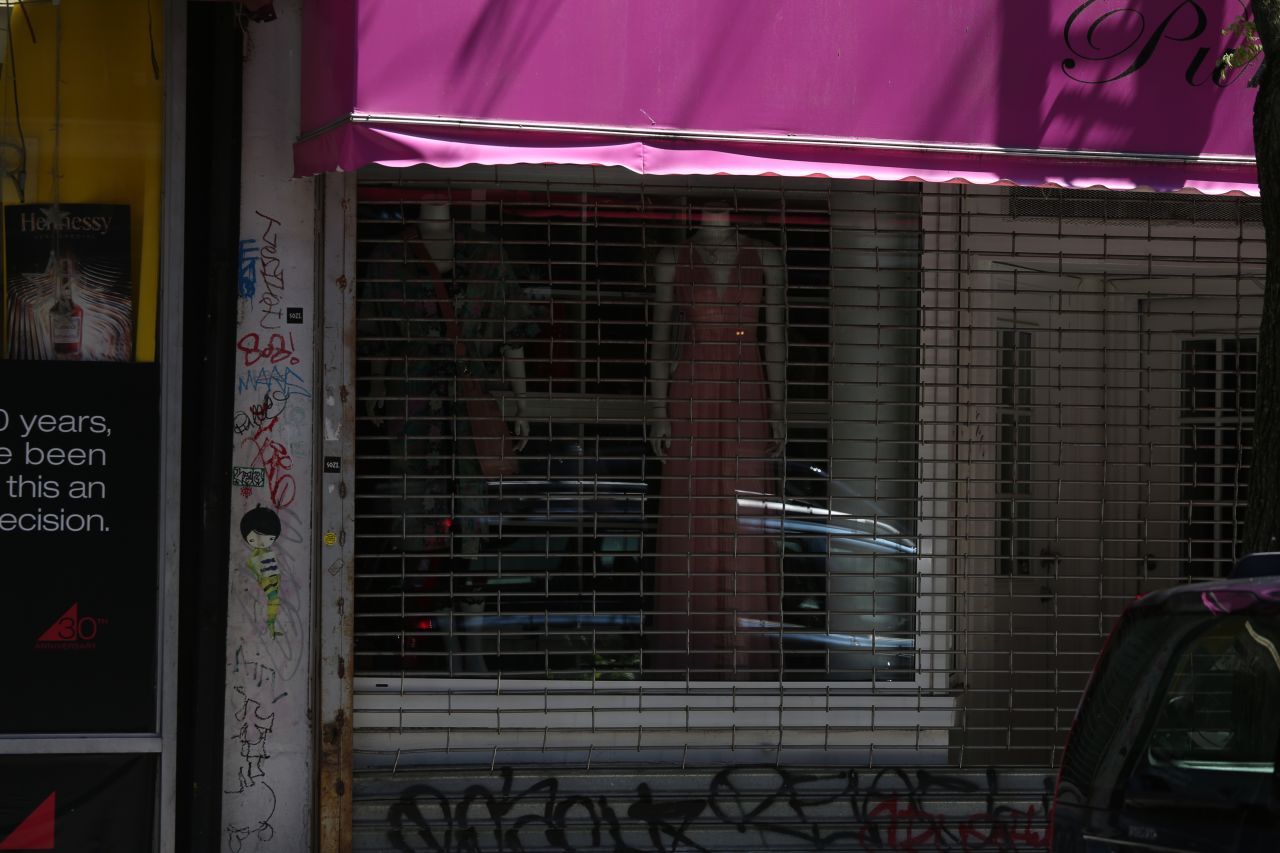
pixel 280 382
pixel 259 673
pixel 274 458
pixel 820 810
pixel 247 278
pixel 273 349
pixel 256 796
pixel 256 416
pixel 271 274
pixel 272 388
pixel 266 410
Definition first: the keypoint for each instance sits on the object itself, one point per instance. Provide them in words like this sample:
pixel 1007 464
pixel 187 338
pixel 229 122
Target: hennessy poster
pixel 67 287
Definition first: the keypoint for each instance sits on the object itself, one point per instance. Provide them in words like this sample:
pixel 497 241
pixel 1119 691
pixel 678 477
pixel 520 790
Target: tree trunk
pixel 1262 521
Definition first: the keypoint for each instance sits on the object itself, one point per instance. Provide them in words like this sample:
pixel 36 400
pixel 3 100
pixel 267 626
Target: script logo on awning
pixel 71 631
pixel 1112 38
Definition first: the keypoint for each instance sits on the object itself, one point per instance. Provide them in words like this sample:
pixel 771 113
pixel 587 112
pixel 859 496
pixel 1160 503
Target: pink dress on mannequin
pixel 716 569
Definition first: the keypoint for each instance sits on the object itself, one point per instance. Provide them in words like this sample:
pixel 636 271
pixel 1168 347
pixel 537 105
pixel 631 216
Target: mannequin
pixel 438 487
pixel 716 420
pixel 434 230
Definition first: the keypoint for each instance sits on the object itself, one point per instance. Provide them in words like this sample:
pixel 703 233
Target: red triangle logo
pixel 54 633
pixel 36 831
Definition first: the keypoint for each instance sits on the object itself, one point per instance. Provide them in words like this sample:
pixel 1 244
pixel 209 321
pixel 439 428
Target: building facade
pixel 723 425
pixel 839 430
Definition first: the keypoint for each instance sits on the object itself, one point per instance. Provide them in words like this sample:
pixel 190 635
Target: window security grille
pixel 984 456
pixel 1219 386
pixel 1016 381
pixel 1108 205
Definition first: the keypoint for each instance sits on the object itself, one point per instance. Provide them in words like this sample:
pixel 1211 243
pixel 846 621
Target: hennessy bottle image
pixel 66 318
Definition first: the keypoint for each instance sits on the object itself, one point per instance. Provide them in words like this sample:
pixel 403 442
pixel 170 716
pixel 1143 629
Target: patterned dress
pixel 429 476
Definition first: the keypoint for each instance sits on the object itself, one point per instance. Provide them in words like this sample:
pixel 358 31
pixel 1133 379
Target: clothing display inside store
pixel 418 347
pixel 666 509
pixel 715 417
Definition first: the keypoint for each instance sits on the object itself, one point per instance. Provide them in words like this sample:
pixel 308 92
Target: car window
pixel 1112 707
pixel 1220 710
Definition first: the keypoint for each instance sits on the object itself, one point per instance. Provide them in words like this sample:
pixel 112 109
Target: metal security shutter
pixel 1103 378
pixel 1003 419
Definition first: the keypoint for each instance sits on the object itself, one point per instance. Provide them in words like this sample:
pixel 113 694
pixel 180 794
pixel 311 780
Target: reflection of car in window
pixel 1174 744
pixel 562 585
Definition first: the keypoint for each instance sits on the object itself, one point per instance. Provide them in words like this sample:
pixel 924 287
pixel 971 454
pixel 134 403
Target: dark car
pixel 1174 744
pixel 564 578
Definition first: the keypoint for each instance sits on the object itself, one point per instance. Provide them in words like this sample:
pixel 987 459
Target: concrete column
pixel 267 768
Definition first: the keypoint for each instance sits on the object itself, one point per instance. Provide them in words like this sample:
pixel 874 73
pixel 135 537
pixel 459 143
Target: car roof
pixel 1220 596
pixel 1257 565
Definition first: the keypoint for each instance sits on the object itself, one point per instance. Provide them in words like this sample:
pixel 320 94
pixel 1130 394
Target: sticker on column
pixel 248 478
pixel 260 528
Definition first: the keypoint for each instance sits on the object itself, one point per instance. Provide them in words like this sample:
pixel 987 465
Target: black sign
pixel 333 464
pixel 79 454
pixel 293 315
pixel 77 802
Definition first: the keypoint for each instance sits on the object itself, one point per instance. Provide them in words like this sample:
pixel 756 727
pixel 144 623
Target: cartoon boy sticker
pixel 260 528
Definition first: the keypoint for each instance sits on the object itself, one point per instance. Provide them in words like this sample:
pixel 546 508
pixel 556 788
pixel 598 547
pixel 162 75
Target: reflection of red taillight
pixel 446 524
pixel 424 625
pixel 1053 811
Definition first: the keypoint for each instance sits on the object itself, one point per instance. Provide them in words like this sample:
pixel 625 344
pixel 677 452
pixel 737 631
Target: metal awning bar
pixel 672 133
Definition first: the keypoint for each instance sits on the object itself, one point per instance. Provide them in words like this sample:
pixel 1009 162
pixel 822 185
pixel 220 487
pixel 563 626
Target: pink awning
pixel 1074 93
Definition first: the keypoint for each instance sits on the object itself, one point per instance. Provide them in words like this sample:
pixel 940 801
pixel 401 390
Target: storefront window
pixel 80 420
pixel 672 498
